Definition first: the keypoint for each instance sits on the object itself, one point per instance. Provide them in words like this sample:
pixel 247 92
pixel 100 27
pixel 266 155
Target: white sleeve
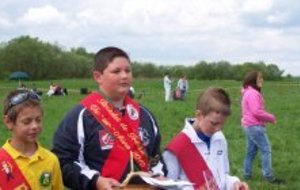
pixel 173 168
pixel 172 165
pixel 229 180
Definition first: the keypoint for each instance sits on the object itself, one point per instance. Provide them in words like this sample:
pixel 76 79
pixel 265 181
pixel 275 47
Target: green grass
pixel 280 99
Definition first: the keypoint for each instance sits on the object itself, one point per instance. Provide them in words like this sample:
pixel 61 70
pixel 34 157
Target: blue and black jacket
pixel 82 146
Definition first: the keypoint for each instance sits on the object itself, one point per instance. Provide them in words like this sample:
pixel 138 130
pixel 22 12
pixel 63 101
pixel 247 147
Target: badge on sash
pixel 106 140
pixel 45 179
pixel 7 169
pixel 132 112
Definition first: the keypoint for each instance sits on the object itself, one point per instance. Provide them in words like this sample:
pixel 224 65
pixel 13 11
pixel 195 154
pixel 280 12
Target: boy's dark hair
pixel 24 98
pixel 106 55
pixel 214 99
pixel 250 79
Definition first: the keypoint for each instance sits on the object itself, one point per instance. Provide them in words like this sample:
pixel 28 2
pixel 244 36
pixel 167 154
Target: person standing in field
pixel 96 138
pixel 254 119
pixel 167 87
pixel 24 163
pixel 199 153
pixel 183 85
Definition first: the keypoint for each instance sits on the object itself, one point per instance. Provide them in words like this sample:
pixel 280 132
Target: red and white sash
pixel 125 131
pixel 192 163
pixel 11 176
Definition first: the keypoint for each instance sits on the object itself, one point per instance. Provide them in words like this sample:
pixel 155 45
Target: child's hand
pixel 241 186
pixel 104 183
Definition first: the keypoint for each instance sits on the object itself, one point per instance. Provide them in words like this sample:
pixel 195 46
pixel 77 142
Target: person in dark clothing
pixel 95 140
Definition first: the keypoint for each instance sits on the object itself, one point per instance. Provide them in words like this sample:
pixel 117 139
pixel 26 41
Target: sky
pixel 165 32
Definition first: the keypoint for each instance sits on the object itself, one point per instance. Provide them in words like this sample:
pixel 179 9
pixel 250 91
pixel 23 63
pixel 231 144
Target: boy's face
pixel 210 123
pixel 28 125
pixel 116 78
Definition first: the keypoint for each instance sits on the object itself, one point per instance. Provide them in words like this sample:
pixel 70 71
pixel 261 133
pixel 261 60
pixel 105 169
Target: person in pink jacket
pixel 254 119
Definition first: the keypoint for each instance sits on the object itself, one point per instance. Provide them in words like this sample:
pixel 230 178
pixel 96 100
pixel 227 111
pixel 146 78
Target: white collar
pixel 191 133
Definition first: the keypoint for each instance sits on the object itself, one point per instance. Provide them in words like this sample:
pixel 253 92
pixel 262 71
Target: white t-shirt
pixel 167 82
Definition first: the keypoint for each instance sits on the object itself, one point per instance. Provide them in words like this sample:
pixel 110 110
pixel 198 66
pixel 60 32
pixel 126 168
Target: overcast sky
pixel 165 31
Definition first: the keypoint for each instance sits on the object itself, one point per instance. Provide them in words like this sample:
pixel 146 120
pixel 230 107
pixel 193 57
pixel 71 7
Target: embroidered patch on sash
pixel 6 167
pixel 132 112
pixel 45 179
pixel 106 140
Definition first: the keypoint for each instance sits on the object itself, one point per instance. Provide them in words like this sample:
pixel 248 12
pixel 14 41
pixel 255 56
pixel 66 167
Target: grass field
pixel 280 98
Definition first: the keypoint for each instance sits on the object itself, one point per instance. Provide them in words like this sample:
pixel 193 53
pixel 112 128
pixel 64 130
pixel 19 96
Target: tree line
pixel 42 60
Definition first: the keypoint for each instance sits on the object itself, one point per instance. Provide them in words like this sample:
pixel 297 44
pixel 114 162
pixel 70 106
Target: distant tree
pixel 199 70
pixel 136 69
pixel 272 72
pixel 43 60
pixel 81 51
pixel 224 70
pixel 149 70
pixel 289 77
pixel 178 71
pixel 49 61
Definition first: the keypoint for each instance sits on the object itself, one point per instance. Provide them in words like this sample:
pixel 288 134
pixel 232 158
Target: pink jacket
pixel 253 112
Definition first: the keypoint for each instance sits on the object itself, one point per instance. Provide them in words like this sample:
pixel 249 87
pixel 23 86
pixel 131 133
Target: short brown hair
pixel 106 55
pixel 12 111
pixel 214 99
